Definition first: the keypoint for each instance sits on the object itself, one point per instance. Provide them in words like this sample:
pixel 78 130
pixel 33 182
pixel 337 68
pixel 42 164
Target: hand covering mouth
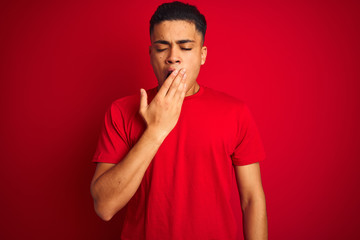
pixel 168 74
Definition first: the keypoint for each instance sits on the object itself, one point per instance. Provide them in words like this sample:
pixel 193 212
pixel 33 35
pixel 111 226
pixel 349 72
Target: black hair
pixel 179 11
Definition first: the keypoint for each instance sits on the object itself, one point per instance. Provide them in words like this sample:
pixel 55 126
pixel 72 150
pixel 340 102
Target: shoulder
pixel 128 106
pixel 130 103
pixel 126 103
pixel 222 99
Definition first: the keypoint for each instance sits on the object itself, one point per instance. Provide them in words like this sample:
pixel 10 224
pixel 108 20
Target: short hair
pixel 179 11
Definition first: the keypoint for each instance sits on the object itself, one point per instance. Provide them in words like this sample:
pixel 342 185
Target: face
pixel 175 45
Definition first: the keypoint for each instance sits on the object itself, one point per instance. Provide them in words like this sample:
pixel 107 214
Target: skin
pixel 175 45
pixel 253 202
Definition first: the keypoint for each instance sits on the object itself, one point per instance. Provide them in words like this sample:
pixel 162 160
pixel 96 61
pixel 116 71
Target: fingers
pixel 177 84
pixel 143 100
pixel 181 92
pixel 166 85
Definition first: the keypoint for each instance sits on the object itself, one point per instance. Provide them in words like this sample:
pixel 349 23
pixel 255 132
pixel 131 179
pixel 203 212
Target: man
pixel 175 160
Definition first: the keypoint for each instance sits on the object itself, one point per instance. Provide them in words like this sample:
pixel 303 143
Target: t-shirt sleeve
pixel 113 145
pixel 249 148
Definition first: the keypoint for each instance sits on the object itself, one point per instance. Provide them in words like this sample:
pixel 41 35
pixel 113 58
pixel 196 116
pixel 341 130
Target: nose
pixel 173 57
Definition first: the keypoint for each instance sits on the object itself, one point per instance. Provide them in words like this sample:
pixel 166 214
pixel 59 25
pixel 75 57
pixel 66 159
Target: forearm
pixel 255 219
pixel 115 187
pixel 112 190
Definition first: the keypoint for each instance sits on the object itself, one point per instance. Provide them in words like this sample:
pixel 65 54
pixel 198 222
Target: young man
pixel 181 160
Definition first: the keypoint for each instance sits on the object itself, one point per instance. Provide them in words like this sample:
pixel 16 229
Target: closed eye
pixel 163 49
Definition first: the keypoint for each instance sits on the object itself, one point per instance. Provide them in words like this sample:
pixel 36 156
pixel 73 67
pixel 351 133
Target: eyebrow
pixel 178 42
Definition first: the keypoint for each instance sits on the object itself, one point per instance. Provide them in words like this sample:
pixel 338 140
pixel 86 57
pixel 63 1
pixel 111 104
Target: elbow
pixel 257 201
pixel 105 213
pixel 101 208
pixel 104 207
pixel 104 217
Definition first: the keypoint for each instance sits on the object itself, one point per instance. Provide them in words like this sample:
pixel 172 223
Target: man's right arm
pixel 113 185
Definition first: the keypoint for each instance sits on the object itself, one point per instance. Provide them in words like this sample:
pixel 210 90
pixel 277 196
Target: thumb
pixel 143 100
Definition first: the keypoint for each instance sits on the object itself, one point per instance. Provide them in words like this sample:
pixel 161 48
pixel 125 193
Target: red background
pixel 295 63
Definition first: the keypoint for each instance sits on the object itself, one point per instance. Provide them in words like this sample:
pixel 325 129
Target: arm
pixel 253 203
pixel 113 185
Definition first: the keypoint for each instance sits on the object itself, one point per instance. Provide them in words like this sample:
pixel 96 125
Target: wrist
pixel 157 136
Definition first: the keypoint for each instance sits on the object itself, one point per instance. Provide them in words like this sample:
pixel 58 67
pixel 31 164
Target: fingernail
pixel 175 72
pixel 184 76
pixel 183 70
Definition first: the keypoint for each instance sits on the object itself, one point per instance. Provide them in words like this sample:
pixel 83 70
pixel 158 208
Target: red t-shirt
pixel 189 190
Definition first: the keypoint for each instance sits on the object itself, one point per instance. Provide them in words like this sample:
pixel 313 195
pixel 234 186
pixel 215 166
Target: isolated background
pixel 295 63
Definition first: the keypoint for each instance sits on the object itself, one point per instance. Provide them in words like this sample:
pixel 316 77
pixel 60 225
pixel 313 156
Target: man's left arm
pixel 252 200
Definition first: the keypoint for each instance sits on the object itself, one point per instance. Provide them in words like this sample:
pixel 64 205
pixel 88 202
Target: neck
pixel 193 89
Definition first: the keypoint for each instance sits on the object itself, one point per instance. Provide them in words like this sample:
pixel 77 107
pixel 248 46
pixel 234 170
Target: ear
pixel 203 54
